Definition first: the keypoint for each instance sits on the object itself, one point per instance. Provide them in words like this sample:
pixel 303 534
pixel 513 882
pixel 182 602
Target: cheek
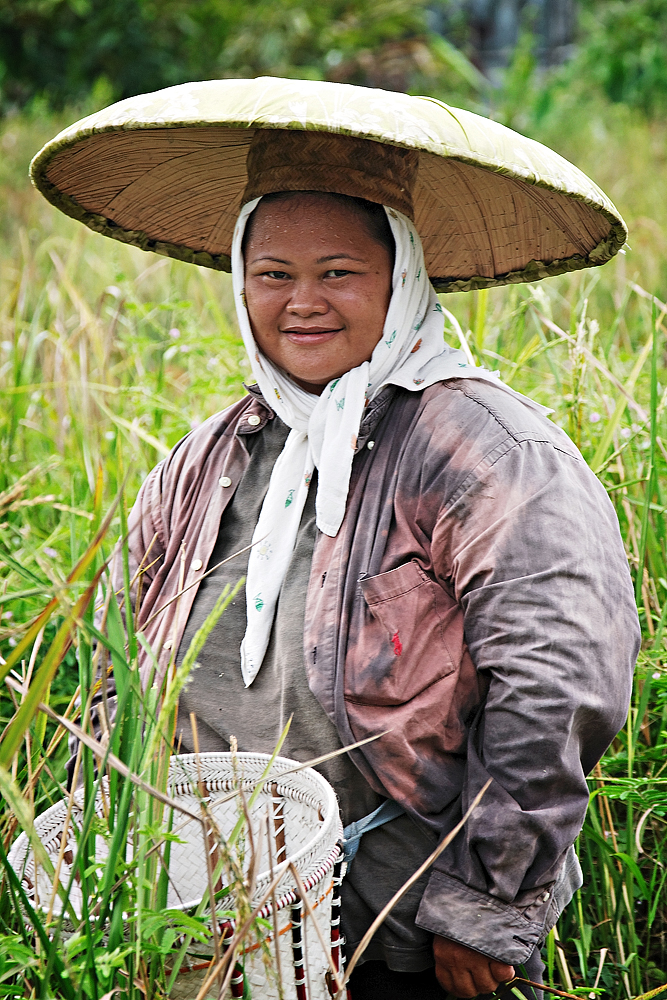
pixel 367 299
pixel 369 309
pixel 262 310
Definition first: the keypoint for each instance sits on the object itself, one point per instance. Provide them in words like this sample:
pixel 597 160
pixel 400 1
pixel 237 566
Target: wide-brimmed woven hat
pixel 169 171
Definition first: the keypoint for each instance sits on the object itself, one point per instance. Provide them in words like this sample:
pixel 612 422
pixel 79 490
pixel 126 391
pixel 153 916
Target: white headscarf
pixel 411 353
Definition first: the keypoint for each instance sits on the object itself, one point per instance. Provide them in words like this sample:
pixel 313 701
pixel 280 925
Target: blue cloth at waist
pixel 353 833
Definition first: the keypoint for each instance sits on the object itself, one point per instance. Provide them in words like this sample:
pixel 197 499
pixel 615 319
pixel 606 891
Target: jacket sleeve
pixel 145 541
pixel 531 546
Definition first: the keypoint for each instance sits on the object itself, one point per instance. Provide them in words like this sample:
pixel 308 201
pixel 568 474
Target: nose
pixel 307 299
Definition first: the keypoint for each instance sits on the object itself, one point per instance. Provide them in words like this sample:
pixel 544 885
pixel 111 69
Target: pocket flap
pixel 393 583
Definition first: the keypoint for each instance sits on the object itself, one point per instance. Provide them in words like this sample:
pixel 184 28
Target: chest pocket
pixel 412 637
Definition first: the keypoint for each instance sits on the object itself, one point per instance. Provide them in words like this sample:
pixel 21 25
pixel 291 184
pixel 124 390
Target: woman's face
pixel 317 287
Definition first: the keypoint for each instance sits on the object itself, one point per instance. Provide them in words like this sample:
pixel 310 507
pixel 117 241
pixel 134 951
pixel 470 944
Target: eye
pixel 337 273
pixel 277 275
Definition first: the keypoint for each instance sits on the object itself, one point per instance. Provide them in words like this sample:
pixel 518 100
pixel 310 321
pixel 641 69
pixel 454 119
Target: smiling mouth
pixel 311 336
pixel 311 331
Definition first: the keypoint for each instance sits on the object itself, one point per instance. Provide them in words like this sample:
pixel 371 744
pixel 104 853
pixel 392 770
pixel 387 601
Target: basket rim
pixel 282 768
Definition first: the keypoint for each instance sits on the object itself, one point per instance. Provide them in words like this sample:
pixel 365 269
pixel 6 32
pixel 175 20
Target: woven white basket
pixel 303 817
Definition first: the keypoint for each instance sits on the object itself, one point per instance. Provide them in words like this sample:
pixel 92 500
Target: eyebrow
pixel 339 256
pixel 320 260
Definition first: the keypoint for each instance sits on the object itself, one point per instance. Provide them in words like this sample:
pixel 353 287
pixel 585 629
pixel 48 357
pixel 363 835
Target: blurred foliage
pixel 55 52
pixel 625 51
pixel 621 58
pixel 60 49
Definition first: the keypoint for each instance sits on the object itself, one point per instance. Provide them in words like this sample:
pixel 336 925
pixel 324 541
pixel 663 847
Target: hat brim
pixel 165 172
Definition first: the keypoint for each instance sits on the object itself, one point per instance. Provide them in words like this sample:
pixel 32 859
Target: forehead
pixel 316 215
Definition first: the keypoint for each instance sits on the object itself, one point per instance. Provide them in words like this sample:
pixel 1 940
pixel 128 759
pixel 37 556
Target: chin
pixel 309 382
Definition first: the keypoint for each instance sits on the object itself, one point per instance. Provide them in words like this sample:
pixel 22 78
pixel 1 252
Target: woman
pixel 429 561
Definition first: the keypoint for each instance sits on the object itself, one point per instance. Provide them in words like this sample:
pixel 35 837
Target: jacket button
pixel 225 481
pixel 197 564
pixel 168 644
pixel 254 420
pixel 370 445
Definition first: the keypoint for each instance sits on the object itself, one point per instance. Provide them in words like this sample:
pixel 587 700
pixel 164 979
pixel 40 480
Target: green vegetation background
pixel 108 356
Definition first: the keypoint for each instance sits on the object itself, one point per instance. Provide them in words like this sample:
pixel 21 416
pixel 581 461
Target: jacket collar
pixel 373 413
pixel 257 407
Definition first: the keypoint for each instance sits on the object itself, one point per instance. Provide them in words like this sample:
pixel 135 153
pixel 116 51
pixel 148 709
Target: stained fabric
pixel 256 716
pixel 216 693
pixel 521 626
pixel 411 353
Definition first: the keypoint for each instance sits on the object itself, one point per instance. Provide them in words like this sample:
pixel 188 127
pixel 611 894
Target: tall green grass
pixel 108 356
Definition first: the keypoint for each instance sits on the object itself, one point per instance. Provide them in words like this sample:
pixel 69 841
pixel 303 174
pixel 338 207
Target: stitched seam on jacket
pixel 519 436
pixel 488 463
pixel 469 391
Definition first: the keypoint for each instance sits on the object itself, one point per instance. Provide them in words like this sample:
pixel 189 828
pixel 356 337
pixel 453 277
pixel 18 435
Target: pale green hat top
pixel 167 172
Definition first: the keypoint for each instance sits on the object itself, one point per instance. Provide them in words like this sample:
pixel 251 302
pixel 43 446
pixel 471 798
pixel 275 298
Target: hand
pixel 467 973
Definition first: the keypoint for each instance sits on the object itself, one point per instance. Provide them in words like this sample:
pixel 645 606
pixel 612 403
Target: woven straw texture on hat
pixel 167 172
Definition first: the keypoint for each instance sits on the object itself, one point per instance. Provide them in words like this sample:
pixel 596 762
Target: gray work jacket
pixel 476 604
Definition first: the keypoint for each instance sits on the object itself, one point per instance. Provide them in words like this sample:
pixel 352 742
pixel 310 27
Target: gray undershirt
pixel 257 715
